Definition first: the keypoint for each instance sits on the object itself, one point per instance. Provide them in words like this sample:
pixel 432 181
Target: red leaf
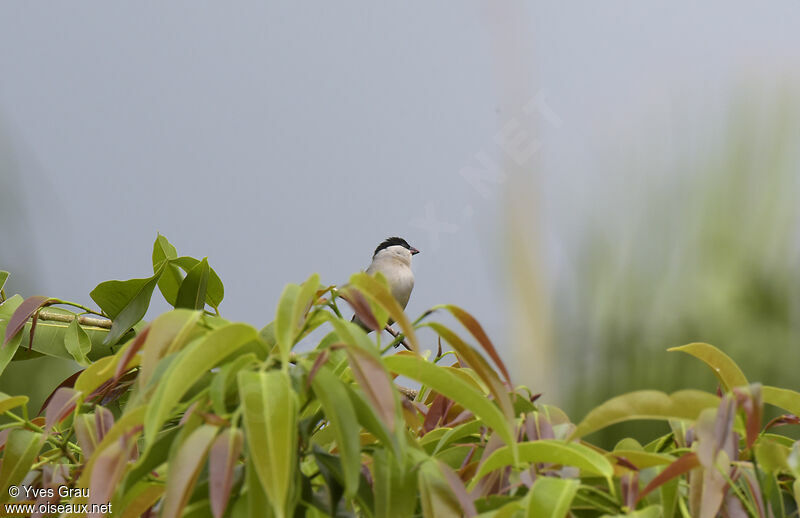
pixel 69 383
pixel 477 331
pixel 25 310
pixel 457 487
pixel 438 409
pixel 783 420
pixel 127 356
pixel 463 417
pixel 622 461
pixel 319 361
pixel 681 465
pixel 374 381
pixel 60 406
pixel 629 487
pixel 360 305
pixel 188 413
pixel 4 437
pixel 103 421
pixel 749 400
pixel 223 457
pixel 185 468
pixel 108 470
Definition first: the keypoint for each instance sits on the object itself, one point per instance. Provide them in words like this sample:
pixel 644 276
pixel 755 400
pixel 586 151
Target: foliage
pixel 193 415
pixel 682 242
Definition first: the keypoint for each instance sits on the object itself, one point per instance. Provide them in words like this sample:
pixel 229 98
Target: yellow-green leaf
pixel 77 342
pixel 548 450
pixel 168 333
pixel 453 387
pixel 342 416
pixel 725 369
pixel 8 402
pixel 270 418
pixel 479 365
pixel 19 453
pixel 551 497
pixel 783 398
pixel 141 497
pixel 646 404
pixel 192 363
pixel 642 459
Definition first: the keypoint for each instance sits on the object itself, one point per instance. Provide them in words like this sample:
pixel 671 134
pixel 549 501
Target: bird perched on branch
pixel 392 258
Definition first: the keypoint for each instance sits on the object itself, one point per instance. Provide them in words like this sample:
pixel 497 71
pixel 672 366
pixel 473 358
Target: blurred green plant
pixel 192 415
pixel 706 249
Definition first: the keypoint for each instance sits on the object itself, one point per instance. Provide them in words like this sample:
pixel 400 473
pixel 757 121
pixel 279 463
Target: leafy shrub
pixel 193 415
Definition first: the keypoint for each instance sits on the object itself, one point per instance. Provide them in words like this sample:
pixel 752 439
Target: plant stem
pixel 83 320
pixel 80 306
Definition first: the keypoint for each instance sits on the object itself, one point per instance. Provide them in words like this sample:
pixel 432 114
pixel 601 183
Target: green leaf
pixel 8 402
pixel 367 369
pixel 643 459
pixel 257 503
pixel 153 457
pixel 783 398
pixel 216 291
pixel 3 278
pixel 168 333
pixel 225 378
pixel 138 499
pixel 127 425
pixel 270 418
pixel 49 338
pixel 7 352
pixel 77 342
pixel 459 432
pixel 551 451
pixel 170 281
pixel 185 468
pixel 125 302
pixel 192 293
pixel 772 456
pixel 478 364
pixel 449 385
pixel 435 495
pixel 292 306
pixel 395 486
pixel 192 364
pixel 19 453
pixel 90 429
pixel 646 404
pixel 653 511
pixel 724 368
pixel 342 416
pixel 368 418
pixel 551 497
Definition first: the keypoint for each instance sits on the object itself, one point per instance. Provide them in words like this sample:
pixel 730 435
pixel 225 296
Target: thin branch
pixel 84 320
pixel 395 334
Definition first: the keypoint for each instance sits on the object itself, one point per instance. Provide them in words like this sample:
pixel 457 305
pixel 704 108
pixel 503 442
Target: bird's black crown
pixel 391 242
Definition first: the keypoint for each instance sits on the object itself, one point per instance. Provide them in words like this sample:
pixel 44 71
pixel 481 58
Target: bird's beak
pixel 413 251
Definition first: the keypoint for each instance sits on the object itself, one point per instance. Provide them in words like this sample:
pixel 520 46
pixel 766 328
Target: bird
pixel 392 258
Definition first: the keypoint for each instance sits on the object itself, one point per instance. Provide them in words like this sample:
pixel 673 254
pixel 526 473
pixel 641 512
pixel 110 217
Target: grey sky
pixel 280 140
